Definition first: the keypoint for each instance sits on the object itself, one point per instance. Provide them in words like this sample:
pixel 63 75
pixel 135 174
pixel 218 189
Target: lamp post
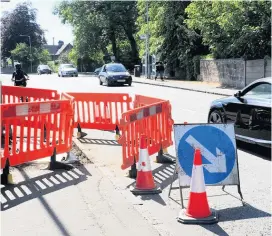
pixel 147 44
pixel 29 38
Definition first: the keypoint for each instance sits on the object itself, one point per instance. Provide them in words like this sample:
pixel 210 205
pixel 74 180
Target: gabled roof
pixel 52 49
pixel 62 48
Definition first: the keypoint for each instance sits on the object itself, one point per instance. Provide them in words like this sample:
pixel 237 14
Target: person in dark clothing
pixel 159 70
pixel 19 76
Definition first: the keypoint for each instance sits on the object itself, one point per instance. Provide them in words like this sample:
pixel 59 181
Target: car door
pixel 102 74
pixel 257 102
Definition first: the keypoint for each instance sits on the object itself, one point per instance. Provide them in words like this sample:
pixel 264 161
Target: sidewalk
pixel 197 86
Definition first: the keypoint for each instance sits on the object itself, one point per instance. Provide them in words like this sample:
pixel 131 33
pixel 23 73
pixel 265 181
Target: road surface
pixel 83 208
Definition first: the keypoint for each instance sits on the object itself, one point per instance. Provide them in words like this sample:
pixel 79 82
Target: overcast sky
pixel 50 23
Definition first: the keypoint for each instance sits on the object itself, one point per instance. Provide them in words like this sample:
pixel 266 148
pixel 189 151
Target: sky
pixel 50 23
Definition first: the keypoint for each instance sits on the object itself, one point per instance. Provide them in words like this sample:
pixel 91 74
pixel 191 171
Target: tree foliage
pixel 20 21
pixel 22 54
pixel 101 25
pixel 233 28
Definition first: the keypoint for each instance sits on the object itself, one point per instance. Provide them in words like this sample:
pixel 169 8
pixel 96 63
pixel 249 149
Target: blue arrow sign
pixel 217 150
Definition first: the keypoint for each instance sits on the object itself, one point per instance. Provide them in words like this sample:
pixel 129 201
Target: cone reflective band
pixel 144 182
pixel 198 210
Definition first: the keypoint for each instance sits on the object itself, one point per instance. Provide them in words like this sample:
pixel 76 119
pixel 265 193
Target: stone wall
pixel 227 72
pixel 234 72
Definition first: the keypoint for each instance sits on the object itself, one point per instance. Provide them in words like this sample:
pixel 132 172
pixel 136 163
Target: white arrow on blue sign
pixel 218 149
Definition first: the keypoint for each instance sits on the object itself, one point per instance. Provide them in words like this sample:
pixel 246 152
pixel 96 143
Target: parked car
pixel 97 70
pixel 67 70
pixel 249 110
pixel 43 69
pixel 114 73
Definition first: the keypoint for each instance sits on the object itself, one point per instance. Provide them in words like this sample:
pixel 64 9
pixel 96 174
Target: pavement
pixel 196 86
pixel 95 197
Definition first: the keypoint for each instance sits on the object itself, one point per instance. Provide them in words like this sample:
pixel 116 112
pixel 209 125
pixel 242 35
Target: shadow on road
pixel 31 188
pixel 99 141
pixel 262 152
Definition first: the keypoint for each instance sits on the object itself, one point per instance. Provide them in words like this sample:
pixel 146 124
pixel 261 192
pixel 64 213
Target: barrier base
pixel 70 159
pixel 132 173
pixel 6 179
pixel 56 165
pixel 183 218
pixel 81 134
pixel 164 158
pixel 137 191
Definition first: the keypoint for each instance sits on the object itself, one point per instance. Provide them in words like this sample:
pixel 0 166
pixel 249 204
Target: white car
pixel 67 70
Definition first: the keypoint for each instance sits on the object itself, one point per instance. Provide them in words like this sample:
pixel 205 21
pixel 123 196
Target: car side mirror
pixel 238 94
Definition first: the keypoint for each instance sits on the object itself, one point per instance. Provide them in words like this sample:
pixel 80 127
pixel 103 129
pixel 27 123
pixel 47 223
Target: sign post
pixel 218 149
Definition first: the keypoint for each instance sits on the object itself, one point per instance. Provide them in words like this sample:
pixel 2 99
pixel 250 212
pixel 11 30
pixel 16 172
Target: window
pixel 116 68
pixel 262 90
pixel 68 66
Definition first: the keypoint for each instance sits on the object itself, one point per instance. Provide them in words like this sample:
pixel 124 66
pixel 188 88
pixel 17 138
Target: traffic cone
pixel 145 182
pixel 198 211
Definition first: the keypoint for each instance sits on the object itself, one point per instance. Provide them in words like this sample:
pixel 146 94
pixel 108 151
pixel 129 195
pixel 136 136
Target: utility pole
pixel 147 69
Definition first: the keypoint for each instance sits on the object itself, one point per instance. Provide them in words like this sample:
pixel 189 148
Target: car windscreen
pixel 116 68
pixel 44 67
pixel 68 66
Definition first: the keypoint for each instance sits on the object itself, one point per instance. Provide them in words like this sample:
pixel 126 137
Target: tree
pixel 21 53
pixel 21 21
pixel 170 38
pixel 64 58
pixel 233 28
pixel 98 24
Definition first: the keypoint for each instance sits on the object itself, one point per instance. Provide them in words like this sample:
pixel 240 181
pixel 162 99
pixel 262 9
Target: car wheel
pixel 76 75
pixel 215 116
pixel 100 82
pixel 107 83
pixel 58 75
pixel 129 84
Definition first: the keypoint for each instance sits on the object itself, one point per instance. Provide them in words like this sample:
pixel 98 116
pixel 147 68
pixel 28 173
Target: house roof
pixel 62 48
pixel 52 49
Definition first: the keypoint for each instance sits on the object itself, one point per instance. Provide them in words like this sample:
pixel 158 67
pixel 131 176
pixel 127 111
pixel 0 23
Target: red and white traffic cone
pixel 145 182
pixel 198 211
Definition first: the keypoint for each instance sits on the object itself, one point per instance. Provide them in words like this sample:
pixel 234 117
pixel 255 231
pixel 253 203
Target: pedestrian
pixel 159 70
pixel 19 77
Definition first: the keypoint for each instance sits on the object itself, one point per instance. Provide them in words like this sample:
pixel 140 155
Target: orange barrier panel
pixel 141 101
pixel 27 122
pixel 12 94
pixel 100 111
pixel 154 121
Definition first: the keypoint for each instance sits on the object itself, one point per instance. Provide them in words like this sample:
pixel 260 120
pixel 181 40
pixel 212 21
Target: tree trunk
pixel 133 45
pixel 113 43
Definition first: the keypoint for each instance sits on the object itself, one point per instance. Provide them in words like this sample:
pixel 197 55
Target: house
pixel 56 50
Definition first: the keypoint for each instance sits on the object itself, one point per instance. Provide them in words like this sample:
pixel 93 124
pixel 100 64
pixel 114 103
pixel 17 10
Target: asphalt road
pixel 254 162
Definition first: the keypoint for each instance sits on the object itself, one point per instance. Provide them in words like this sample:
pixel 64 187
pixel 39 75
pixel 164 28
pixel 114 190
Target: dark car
pixel 43 69
pixel 114 73
pixel 249 110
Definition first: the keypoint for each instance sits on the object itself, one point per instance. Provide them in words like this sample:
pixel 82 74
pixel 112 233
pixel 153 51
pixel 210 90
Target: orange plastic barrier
pixel 12 94
pixel 100 111
pixel 154 121
pixel 29 122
